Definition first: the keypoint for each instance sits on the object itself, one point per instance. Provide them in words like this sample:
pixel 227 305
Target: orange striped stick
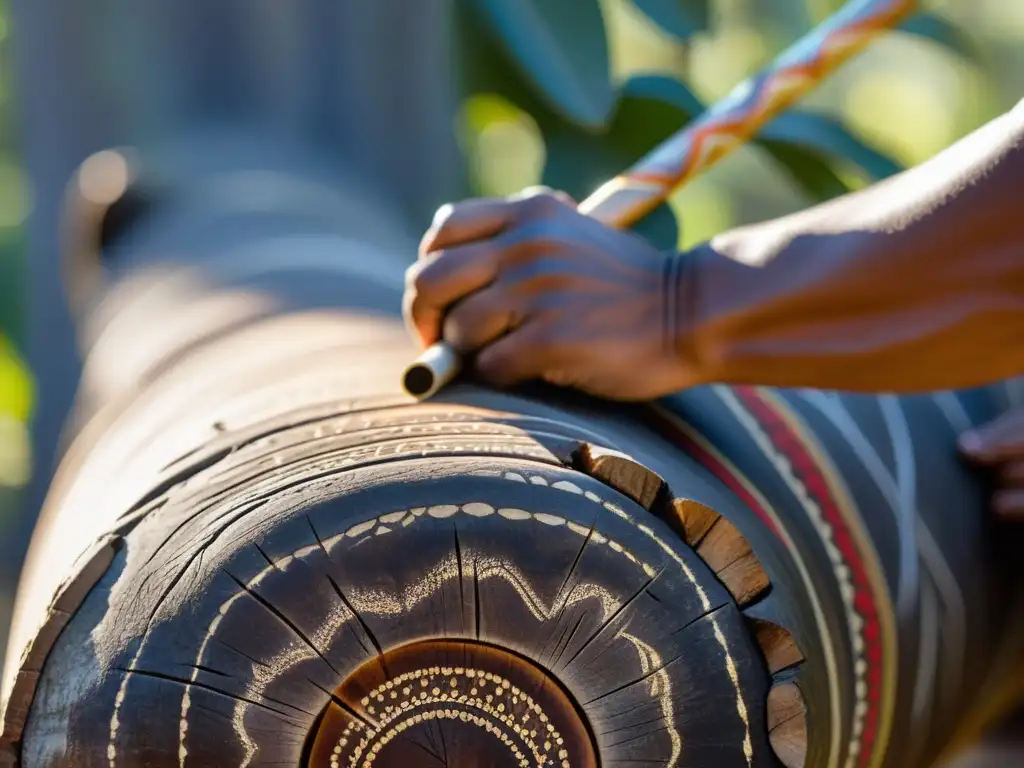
pixel 739 116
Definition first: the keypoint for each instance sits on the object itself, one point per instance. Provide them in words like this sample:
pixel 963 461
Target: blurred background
pixel 15 381
pixel 907 96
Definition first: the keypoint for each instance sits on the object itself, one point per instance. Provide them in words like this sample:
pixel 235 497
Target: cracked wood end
pixel 694 519
pixel 777 644
pixel 729 555
pixel 787 724
pixel 622 473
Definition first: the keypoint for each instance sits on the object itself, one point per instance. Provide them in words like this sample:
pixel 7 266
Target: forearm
pixel 912 284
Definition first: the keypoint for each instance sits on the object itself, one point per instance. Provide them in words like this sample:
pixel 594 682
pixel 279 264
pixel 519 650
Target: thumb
pixel 999 441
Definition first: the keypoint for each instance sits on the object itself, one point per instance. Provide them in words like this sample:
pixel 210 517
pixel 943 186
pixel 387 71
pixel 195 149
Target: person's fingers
pixel 539 190
pixel 466 221
pixel 486 217
pixel 1011 474
pixel 998 441
pixel 1009 504
pixel 480 319
pixel 437 282
pixel 524 354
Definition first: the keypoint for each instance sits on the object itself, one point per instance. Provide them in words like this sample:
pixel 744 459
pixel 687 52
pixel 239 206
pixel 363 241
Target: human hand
pixel 533 289
pixel 1000 446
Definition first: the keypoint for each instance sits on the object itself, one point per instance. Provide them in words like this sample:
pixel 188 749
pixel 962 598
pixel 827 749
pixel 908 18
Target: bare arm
pixel 914 283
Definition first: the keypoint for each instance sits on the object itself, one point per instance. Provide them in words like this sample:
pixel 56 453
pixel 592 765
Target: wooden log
pixel 300 570
pixel 254 532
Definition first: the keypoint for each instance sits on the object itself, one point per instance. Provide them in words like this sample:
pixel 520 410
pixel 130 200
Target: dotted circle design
pixel 473 696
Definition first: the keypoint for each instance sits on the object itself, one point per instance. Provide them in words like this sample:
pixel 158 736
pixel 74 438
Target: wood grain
pixel 694 519
pixel 271 583
pixel 787 724
pixel 728 554
pixel 777 645
pixel 623 473
pixel 451 704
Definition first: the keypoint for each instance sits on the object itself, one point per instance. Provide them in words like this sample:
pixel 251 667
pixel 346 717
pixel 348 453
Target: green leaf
pixel 933 27
pixel 653 107
pixel 483 67
pixel 12 286
pixel 680 18
pixel 650 108
pixel 814 175
pixel 16 390
pixel 660 227
pixel 812 146
pixel 562 47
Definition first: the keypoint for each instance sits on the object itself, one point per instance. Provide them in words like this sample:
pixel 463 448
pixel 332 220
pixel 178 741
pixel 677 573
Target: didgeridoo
pixel 724 126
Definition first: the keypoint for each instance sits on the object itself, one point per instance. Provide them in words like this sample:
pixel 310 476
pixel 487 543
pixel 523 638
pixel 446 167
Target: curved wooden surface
pixel 882 520
pixel 459 703
pixel 252 523
pixel 278 561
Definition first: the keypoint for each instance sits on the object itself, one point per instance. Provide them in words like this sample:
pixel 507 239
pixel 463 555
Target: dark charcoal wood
pixel 264 609
pixel 251 522
pixel 905 583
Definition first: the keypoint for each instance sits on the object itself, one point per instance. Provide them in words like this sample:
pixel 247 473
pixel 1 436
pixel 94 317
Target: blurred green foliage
pixel 912 93
pixel 14 198
pixel 15 382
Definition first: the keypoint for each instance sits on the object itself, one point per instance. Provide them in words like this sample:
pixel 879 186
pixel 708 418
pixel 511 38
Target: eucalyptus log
pixel 258 551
